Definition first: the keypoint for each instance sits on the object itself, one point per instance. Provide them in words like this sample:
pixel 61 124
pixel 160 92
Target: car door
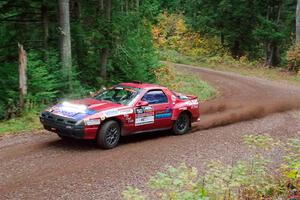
pixel 162 111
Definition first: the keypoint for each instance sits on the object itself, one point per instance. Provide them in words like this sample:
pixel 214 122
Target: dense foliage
pixel 257 29
pixel 126 34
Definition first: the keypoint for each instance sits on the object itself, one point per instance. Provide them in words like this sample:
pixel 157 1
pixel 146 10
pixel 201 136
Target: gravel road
pixel 41 166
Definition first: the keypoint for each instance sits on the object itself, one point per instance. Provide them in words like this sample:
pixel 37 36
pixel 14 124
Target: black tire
pixel 182 124
pixel 109 135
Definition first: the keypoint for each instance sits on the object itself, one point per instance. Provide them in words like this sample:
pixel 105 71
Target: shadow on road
pixel 86 145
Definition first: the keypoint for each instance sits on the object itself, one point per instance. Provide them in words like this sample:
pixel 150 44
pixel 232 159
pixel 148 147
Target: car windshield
pixel 119 94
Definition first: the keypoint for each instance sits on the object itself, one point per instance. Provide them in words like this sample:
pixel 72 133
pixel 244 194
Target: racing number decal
pixel 144 115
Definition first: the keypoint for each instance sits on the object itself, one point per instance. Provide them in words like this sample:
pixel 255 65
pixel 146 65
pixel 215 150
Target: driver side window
pixel 155 97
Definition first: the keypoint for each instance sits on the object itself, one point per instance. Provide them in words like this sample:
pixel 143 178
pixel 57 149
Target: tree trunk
pixel 222 38
pixel 298 22
pixel 137 4
pixel 272 51
pixel 65 39
pixel 78 36
pixel 105 51
pixel 45 21
pixel 103 62
pixel 266 53
pixel 126 6
pixel 22 76
pixel 273 57
pixel 108 10
pixel 236 49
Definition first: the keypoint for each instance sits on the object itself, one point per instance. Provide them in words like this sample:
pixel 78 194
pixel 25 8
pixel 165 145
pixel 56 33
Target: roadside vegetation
pixel 183 82
pixel 177 41
pixel 228 64
pixel 255 178
pixel 27 123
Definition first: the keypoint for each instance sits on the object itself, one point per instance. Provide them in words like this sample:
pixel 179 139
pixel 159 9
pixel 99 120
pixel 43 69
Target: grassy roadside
pixel 260 72
pixel 28 122
pixel 240 67
pixel 188 84
pixel 185 83
pixel 191 84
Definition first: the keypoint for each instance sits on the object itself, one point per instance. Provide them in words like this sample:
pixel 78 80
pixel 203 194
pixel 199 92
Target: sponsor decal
pixel 111 113
pixel 166 114
pixel 116 112
pixel 128 119
pixel 126 111
pixel 142 120
pixel 148 109
pixel 139 110
pixel 102 117
pixel 144 115
pixel 183 108
pixel 193 103
pixel 163 115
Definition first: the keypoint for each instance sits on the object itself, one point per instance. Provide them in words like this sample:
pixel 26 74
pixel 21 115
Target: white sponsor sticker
pixel 126 111
pixel 193 102
pixel 111 113
pixel 144 120
pixel 183 108
pixel 116 112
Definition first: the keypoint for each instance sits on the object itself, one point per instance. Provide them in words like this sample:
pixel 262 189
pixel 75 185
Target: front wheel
pixel 109 135
pixel 182 124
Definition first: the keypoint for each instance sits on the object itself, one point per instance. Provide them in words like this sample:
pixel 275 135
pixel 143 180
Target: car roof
pixel 143 85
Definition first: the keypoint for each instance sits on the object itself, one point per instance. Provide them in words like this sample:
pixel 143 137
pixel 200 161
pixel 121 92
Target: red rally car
pixel 124 109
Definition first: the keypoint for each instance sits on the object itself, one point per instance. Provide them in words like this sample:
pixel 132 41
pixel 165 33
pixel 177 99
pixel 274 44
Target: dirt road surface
pixel 41 166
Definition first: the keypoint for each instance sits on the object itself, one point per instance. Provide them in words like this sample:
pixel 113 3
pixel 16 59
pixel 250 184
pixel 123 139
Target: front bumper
pixel 63 126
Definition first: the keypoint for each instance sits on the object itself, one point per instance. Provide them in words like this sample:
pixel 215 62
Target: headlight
pixel 91 122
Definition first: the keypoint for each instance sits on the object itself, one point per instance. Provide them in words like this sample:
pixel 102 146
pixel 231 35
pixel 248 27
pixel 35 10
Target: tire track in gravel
pixel 41 166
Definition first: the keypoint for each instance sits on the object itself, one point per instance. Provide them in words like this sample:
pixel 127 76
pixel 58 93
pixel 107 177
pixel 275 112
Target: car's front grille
pixel 58 119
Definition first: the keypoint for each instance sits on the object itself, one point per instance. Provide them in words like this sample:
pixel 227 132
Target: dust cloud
pixel 222 112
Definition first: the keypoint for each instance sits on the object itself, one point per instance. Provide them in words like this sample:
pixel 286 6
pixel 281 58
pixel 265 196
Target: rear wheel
pixel 182 124
pixel 109 135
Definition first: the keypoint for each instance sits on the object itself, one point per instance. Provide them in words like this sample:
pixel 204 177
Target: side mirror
pixel 142 103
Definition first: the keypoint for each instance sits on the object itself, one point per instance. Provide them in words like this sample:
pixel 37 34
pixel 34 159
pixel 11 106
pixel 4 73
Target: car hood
pixel 79 109
pixel 96 105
